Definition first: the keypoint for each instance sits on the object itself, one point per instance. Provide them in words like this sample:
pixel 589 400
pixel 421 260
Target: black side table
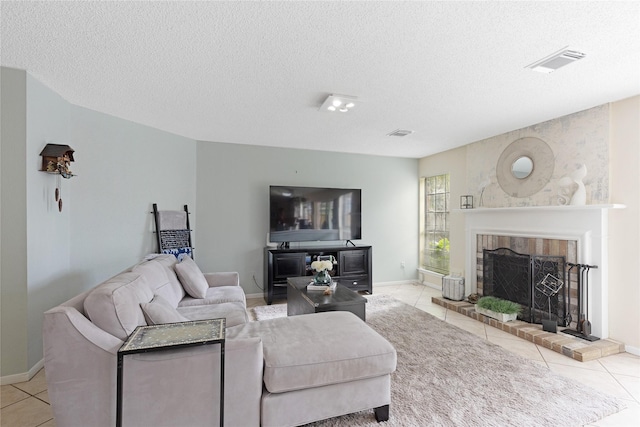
pixel 171 336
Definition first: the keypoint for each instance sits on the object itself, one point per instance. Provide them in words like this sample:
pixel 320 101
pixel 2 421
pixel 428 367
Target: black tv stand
pixel 284 245
pixel 354 268
pixel 349 241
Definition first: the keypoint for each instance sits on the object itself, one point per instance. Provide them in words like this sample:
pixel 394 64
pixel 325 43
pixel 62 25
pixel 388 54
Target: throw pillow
pixel 159 311
pixel 191 278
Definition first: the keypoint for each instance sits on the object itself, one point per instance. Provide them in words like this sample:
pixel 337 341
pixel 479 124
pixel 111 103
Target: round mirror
pixel 522 167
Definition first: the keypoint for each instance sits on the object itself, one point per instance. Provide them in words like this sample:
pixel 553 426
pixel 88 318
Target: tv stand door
pixel 279 267
pixel 355 269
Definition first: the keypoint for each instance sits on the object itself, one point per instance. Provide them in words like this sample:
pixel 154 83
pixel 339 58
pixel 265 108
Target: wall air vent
pixel 556 60
pixel 400 132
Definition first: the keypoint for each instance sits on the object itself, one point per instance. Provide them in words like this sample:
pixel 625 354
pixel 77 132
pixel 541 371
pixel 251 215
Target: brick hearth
pixel 567 345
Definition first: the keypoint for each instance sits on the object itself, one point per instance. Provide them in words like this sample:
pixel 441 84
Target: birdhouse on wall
pixel 56 158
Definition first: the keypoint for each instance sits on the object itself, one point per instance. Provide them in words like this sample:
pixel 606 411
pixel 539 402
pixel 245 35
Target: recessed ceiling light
pixel 342 103
pixel 556 60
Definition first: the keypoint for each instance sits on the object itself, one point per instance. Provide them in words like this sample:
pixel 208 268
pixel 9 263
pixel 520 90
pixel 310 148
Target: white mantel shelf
pixel 539 208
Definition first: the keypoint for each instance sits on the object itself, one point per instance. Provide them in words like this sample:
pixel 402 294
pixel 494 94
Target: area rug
pixel 449 377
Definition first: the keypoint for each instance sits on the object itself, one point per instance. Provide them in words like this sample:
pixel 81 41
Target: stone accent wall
pixel 575 139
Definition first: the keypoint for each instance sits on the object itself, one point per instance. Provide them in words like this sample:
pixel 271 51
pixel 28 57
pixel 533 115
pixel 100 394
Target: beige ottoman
pixel 319 366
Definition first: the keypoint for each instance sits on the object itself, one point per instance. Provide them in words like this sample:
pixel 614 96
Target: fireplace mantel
pixel 587 225
pixel 539 208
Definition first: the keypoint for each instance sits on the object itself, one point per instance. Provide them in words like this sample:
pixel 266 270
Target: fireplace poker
pixel 568 318
pixel 586 330
pixel 580 299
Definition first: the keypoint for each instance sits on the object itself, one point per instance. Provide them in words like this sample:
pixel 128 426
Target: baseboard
pixel 410 282
pixel 632 350
pixel 254 296
pixel 23 377
pixel 399 282
pixel 428 278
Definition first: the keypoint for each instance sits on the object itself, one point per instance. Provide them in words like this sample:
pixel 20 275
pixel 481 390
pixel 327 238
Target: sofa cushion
pixel 114 306
pixel 234 312
pixel 159 311
pixel 318 349
pixel 192 278
pixel 162 278
pixel 216 296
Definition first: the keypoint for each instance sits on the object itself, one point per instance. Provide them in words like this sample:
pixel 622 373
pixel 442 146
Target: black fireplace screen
pixel 513 276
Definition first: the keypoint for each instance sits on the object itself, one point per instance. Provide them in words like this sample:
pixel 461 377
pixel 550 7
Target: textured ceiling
pixel 256 72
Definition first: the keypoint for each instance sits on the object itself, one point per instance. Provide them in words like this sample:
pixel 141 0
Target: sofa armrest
pixel 80 366
pixel 80 363
pixel 64 321
pixel 231 278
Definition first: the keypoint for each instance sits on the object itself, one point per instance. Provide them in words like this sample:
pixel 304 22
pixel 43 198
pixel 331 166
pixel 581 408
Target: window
pixel 434 223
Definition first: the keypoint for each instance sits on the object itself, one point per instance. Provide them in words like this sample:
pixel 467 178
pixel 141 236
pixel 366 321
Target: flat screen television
pixel 305 214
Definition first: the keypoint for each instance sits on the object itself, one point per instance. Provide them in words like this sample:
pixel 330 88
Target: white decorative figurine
pixel 579 197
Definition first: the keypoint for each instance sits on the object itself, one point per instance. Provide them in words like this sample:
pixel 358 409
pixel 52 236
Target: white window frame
pixel 435 202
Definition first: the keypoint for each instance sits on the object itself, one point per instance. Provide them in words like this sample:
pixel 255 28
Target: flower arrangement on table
pixel 322 267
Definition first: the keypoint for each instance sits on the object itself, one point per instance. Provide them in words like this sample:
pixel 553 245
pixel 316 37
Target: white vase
pixel 579 198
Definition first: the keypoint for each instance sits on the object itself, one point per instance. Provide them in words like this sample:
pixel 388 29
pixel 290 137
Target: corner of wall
pixel 13 222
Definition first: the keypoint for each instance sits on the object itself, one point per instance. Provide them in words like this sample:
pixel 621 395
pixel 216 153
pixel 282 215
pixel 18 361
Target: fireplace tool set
pixel 583 325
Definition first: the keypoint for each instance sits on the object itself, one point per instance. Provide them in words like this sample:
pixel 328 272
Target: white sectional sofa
pixel 280 372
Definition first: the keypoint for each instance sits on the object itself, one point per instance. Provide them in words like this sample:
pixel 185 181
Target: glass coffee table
pixel 300 300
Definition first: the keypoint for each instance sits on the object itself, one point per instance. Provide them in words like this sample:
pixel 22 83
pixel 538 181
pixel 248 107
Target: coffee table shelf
pixel 303 301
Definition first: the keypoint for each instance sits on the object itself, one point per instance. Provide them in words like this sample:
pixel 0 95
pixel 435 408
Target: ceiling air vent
pixel 400 132
pixel 556 60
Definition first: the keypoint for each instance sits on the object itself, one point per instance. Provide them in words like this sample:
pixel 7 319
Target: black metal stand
pixel 583 325
pixel 549 287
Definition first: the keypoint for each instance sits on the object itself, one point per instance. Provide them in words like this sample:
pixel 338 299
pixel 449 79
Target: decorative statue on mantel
pixel 567 185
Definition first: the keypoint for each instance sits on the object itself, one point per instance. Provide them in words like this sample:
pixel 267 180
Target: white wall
pixel 123 168
pixel 624 224
pixel 232 190
pixel 47 229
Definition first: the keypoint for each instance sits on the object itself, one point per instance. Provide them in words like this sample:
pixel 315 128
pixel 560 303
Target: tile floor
pixel 27 404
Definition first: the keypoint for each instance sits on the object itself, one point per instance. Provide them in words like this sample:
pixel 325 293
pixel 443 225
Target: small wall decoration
pixel 524 167
pixel 466 202
pixel 56 159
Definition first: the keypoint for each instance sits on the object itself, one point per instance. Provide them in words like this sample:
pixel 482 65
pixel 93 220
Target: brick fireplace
pixel 534 257
pixel 578 233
